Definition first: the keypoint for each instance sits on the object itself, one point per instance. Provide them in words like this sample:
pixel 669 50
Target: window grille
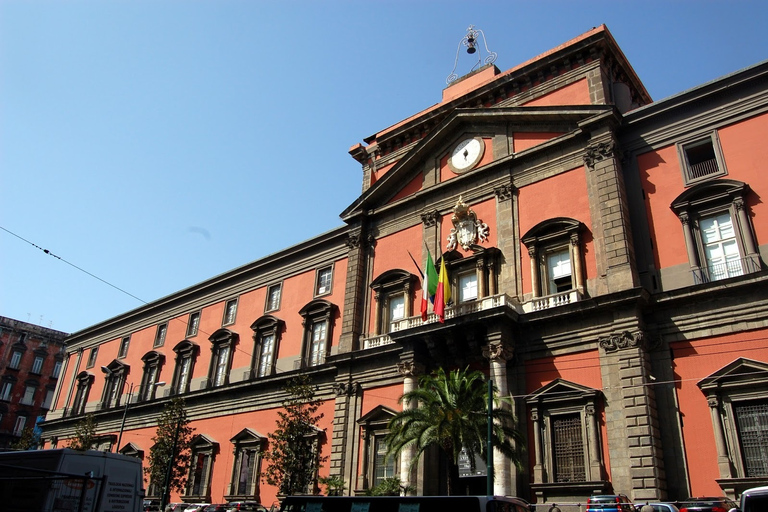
pixel 568 449
pixel 752 424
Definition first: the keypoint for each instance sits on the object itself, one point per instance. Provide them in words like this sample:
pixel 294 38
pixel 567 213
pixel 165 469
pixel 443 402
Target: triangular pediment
pixel 247 435
pixel 378 415
pixel 202 441
pixel 561 390
pixel 460 124
pixel 740 373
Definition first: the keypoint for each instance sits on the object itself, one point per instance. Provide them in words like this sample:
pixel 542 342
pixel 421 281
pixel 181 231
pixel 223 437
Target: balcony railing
pixel 551 301
pixel 732 268
pixel 704 168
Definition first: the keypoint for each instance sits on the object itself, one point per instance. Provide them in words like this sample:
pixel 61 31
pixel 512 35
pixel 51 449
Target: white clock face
pixel 467 154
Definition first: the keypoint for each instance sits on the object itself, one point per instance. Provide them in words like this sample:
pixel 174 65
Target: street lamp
pixel 127 404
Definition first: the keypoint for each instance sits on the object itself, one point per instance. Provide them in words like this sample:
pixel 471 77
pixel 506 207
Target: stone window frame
pixel 8 383
pixel 315 312
pixel 268 307
pixel 712 138
pixel 185 350
pixel 37 369
pixel 705 200
pixel 131 450
pixel 390 284
pixel 266 325
pixel 92 355
pixel 373 425
pixel 318 292
pixel 193 323
pixel 29 384
pixel 220 340
pixel 114 383
pixel 125 343
pixel 562 397
pixel 227 318
pixel 246 439
pixel 83 388
pixel 150 375
pixel 21 423
pixel 742 380
pixel 207 447
pixel 13 363
pixel 484 261
pixel 160 334
pixel 547 237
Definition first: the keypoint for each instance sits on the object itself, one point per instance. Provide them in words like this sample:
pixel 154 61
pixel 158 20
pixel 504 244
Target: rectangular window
pixel 193 324
pixel 266 356
pixel 317 347
pixel 162 329
pixel 324 278
pixel 395 310
pixel 273 297
pixel 19 427
pixel 383 466
pixel 467 286
pixel 185 365
pixel 568 449
pixel 200 474
pixel 701 159
pixel 222 363
pixel 559 271
pixel 29 395
pixel 15 360
pixel 56 369
pixel 48 399
pixel 230 312
pixel 247 469
pixel 721 249
pixel 752 426
pixel 124 343
pixel 5 391
pixel 92 357
pixel 37 365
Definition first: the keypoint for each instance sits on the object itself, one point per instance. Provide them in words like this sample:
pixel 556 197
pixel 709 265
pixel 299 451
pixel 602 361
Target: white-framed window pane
pixel 266 355
pixel 193 324
pixel 5 394
pixel 15 360
pixel 186 363
pixel 19 427
pixel 467 286
pixel 396 307
pixel 221 366
pixel 273 297
pixel 230 312
pixel 383 466
pixel 37 365
pixel 316 353
pixel 324 278
pixel 162 329
pixel 56 369
pixel 559 271
pixel 124 343
pixel 29 395
pixel 720 247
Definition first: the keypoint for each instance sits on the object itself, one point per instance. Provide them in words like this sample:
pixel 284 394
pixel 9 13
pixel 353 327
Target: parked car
pixel 246 506
pixel 707 504
pixel 216 507
pixel 658 507
pixel 177 507
pixel 151 505
pixel 754 500
pixel 610 503
pixel 196 507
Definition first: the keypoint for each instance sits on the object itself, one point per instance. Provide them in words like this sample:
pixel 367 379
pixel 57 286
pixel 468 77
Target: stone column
pixel 595 464
pixel 723 461
pixel 741 211
pixel 535 284
pixel 410 372
pixel 690 244
pixel 498 354
pixel 538 467
pixel 578 272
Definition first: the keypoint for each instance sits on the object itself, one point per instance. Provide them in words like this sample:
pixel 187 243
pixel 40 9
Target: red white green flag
pixel 429 286
pixel 443 292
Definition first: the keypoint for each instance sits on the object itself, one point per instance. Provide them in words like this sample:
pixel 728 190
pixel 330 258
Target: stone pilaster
pixel 634 440
pixel 354 291
pixel 609 208
pixel 430 220
pixel 410 372
pixel 508 240
pixel 343 456
pixel 498 352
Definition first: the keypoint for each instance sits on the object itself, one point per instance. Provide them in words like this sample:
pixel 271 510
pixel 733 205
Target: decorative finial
pixel 470 41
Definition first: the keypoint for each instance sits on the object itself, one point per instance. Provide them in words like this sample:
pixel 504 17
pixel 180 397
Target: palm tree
pixel 452 415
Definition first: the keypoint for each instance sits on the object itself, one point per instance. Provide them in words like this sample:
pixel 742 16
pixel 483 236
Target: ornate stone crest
pixel 467 228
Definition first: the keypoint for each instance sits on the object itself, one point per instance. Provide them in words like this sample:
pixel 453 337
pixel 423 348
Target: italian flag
pixel 443 292
pixel 429 287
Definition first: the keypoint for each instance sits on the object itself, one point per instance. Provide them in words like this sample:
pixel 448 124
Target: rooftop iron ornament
pixel 470 41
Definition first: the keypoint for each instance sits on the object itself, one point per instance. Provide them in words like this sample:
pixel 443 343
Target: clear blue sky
pixel 156 144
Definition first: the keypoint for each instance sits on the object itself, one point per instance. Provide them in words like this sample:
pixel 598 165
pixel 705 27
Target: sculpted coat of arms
pixel 467 228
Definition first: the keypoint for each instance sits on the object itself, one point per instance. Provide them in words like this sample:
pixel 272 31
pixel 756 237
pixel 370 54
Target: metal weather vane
pixel 470 41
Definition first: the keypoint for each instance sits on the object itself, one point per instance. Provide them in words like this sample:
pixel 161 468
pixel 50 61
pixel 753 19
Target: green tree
pixel 27 441
pixel 85 434
pixel 292 456
pixel 172 429
pixel 452 414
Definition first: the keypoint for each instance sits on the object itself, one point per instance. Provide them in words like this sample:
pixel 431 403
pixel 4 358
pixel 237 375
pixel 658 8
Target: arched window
pixel 392 293
pixel 84 383
pixel 114 382
pixel 266 338
pixel 318 330
pixel 186 355
pixel 223 344
pixel 153 361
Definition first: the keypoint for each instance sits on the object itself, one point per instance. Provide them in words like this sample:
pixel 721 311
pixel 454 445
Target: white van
pixel 754 500
pixel 70 480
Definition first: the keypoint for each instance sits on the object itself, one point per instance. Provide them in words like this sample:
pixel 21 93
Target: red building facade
pixel 31 359
pixel 606 257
